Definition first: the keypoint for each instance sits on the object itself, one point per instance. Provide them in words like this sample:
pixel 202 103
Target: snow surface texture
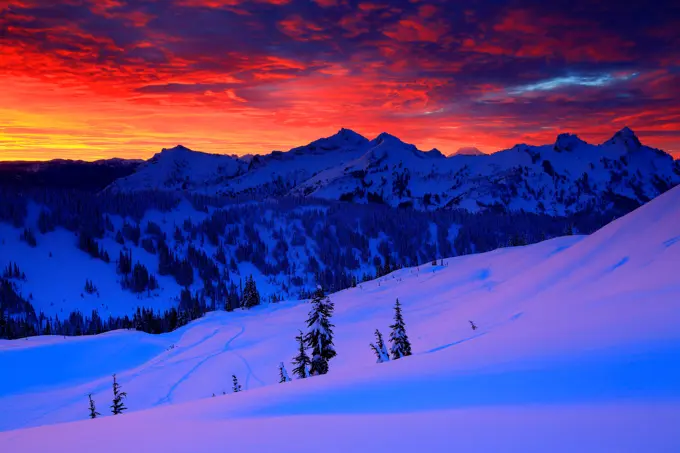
pixel 565 177
pixel 577 349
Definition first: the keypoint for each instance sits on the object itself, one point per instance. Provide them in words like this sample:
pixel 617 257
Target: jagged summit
pixel 434 152
pixel 349 135
pixel 568 142
pixel 179 153
pixel 342 140
pixel 177 148
pixel 627 137
pixel 385 137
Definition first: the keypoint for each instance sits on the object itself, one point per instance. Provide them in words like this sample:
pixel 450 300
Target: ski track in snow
pixel 168 397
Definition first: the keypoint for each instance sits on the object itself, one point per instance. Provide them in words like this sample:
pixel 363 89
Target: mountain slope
pixel 180 168
pixel 273 174
pixel 567 177
pixel 575 330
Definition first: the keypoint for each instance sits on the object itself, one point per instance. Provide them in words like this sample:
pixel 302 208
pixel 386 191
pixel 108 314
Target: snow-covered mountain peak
pixel 387 146
pixel 389 139
pixel 468 151
pixel 625 137
pixel 434 152
pixel 568 142
pixel 181 168
pixel 349 135
pixel 177 150
pixel 343 140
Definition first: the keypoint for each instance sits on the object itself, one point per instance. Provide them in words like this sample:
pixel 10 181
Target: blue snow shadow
pixel 623 261
pixel 671 241
pixel 482 274
pixel 446 346
pixel 650 374
pixel 516 316
pixel 559 249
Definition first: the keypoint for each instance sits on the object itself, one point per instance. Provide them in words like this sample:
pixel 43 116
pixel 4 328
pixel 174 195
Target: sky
pixel 92 79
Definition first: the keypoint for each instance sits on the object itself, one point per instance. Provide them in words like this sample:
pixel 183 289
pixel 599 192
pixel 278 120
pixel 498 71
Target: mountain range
pixel 563 178
pixel 320 213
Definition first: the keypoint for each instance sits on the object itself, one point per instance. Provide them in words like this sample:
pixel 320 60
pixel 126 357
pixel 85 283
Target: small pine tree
pixel 283 374
pixel 401 347
pixel 319 338
pixel 237 386
pixel 117 407
pixel 93 410
pixel 379 348
pixel 301 361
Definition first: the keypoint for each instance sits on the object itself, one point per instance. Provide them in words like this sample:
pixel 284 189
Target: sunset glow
pixel 92 79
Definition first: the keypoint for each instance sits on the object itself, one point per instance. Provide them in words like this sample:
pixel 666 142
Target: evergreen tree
pixel 319 337
pixel 125 263
pixel 379 348
pixel 251 296
pixel 117 407
pixel 93 410
pixel 401 347
pixel 89 287
pixel 301 361
pixel 283 374
pixel 237 386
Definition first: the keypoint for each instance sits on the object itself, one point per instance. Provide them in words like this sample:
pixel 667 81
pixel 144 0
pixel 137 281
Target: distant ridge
pixel 565 177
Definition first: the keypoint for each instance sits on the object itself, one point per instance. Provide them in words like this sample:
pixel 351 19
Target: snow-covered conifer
pixel 379 348
pixel 319 337
pixel 117 407
pixel 401 347
pixel 301 361
pixel 237 386
pixel 93 410
pixel 283 374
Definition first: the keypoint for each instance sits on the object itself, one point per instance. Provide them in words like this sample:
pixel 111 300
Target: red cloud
pixel 298 28
pixel 326 3
pixel 415 29
pixel 523 34
pixel 224 3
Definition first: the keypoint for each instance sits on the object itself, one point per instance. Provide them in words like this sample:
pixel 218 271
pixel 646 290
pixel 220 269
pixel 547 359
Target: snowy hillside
pixel 565 177
pixel 576 349
pixel 67 248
